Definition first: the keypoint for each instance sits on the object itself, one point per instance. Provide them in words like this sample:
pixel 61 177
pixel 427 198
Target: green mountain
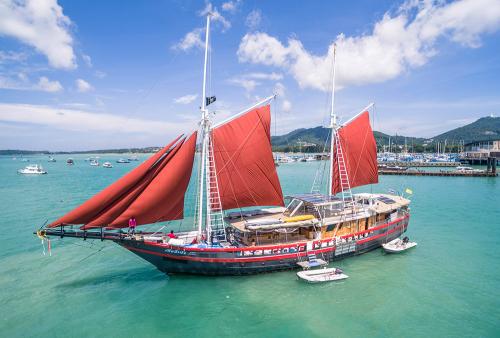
pixel 486 128
pixel 313 139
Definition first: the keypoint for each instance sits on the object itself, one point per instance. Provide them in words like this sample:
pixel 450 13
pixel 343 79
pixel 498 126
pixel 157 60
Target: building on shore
pixel 480 151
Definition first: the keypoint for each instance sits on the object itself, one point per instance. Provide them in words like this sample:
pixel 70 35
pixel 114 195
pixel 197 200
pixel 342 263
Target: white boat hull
pixel 321 275
pixel 397 246
pixel 27 172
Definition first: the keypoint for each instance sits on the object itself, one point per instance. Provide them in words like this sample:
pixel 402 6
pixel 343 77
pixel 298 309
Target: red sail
pixel 116 209
pixel 244 162
pixel 163 199
pixel 102 200
pixel 360 153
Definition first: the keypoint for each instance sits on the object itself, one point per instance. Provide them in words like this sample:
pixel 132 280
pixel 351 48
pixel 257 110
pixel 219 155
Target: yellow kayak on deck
pixel 299 218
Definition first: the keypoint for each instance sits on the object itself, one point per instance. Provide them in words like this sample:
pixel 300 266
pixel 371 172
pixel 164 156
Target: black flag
pixel 210 100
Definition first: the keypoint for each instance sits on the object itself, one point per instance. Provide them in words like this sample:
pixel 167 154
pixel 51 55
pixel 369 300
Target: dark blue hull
pixel 258 259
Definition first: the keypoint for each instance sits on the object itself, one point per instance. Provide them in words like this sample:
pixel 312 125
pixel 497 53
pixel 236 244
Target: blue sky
pixel 78 75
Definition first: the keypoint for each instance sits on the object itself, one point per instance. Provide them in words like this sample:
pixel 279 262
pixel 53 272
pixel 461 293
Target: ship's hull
pixel 259 259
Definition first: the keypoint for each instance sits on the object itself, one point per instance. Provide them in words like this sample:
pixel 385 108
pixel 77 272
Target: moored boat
pixel 107 165
pixel 398 245
pixel 244 224
pixel 322 275
pixel 32 169
pixel 70 161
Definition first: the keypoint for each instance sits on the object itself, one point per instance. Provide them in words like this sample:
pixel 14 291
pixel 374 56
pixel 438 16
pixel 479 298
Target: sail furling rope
pixel 360 153
pixel 244 161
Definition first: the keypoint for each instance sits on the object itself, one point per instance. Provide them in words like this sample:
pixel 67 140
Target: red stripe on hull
pixel 272 247
pixel 261 258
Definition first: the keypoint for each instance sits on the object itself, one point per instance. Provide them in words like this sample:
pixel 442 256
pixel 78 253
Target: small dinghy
pixel 322 275
pixel 398 245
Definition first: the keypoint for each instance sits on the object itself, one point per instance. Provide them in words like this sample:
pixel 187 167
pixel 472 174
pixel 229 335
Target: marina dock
pixel 420 164
pixel 437 173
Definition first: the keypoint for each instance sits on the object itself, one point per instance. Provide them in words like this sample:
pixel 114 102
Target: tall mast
pixel 333 124
pixel 205 126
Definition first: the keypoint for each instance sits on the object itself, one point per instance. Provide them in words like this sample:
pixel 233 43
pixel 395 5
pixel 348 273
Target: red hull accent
pixel 271 257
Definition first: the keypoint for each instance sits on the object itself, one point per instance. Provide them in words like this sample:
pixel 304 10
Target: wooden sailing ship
pixel 243 223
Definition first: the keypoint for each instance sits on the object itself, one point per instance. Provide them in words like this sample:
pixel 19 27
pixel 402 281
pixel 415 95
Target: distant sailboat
pixel 243 222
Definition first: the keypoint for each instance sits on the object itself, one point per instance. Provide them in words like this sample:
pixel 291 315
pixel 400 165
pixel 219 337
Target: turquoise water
pixel 448 286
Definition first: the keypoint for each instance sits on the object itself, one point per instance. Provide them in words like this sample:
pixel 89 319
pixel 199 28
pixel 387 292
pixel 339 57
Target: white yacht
pixel 107 165
pixel 94 163
pixel 32 169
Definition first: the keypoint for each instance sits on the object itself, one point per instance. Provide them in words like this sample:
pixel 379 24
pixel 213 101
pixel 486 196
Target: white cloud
pixel 186 99
pixel 286 106
pixel 265 76
pixel 280 91
pixel 216 17
pixel 21 82
pixel 88 60
pixel 231 6
pixel 251 80
pixel 398 42
pixel 194 39
pixel 263 49
pixel 79 120
pixel 190 40
pixel 46 85
pixel 248 84
pixel 253 19
pixel 41 24
pixel 83 86
pixel 22 76
pixel 10 56
pixel 100 74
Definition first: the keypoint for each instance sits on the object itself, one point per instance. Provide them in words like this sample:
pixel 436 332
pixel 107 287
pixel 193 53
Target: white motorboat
pixel 133 158
pixel 32 169
pixel 398 245
pixel 51 159
pixel 122 160
pixel 107 165
pixel 94 163
pixel 322 275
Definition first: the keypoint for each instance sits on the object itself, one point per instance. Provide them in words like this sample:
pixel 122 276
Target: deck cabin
pixel 313 217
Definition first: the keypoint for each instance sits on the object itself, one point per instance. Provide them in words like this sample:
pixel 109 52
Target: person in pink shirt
pixel 132 223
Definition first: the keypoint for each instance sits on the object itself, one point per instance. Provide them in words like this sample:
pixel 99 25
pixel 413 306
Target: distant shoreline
pixel 148 150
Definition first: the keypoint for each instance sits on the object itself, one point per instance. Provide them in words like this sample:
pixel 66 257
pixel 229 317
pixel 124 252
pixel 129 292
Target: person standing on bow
pixel 132 223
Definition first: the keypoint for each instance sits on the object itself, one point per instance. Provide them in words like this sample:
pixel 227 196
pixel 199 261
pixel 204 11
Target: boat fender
pixel 299 218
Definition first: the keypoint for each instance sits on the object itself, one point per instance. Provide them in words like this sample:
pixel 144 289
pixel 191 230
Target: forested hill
pixel 313 139
pixel 486 128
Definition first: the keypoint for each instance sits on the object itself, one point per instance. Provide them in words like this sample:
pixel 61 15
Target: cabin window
pixel 330 227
